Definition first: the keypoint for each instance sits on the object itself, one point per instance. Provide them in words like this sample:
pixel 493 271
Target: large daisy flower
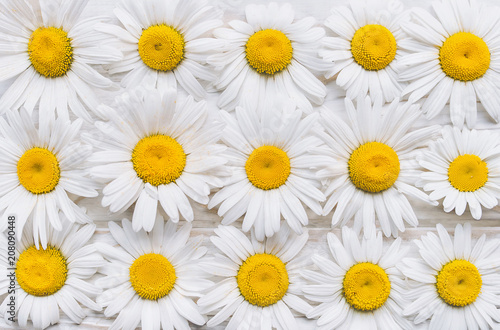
pixel 163 43
pixel 365 51
pixel 149 277
pixel 455 58
pixel 375 167
pixel 51 278
pixel 271 54
pixel 464 169
pixel 261 282
pixel 361 288
pixel 455 284
pixel 154 149
pixel 49 49
pixel 39 167
pixel 272 170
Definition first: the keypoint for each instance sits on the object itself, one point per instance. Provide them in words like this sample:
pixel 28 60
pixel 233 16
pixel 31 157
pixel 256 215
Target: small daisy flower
pixel 272 170
pixel 454 284
pixel 154 149
pixel 361 288
pixel 50 49
pixel 454 58
pixel 149 277
pixel 269 53
pixel 39 168
pixel 365 51
pixel 164 44
pixel 54 277
pixel 261 282
pixel 375 167
pixel 464 169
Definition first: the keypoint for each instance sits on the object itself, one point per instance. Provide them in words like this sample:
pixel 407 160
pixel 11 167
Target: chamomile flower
pixel 376 168
pixel 150 277
pixel 272 166
pixel 365 51
pixel 155 150
pixel 361 288
pixel 454 58
pixel 269 53
pixel 464 169
pixel 165 43
pixel 39 167
pixel 53 278
pixel 261 282
pixel 455 284
pixel 50 50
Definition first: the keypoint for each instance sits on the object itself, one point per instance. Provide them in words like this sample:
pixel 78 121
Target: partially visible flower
pixel 52 278
pixel 361 288
pixel 464 169
pixel 50 49
pixel 165 43
pixel 151 277
pixel 262 282
pixel 39 167
pixel 270 53
pixel 455 284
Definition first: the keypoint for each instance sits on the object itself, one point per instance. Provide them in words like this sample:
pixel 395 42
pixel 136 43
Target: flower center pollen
pixel 262 279
pixel 50 51
pixel 161 47
pixel 41 272
pixel 459 283
pixel 152 276
pixel 373 47
pixel 468 173
pixel 269 51
pixel 366 286
pixel 158 159
pixel 464 56
pixel 373 167
pixel 38 171
pixel 268 167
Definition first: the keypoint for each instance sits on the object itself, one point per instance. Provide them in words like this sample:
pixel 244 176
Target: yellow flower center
pixel 50 51
pixel 262 279
pixel 161 47
pixel 468 173
pixel 464 56
pixel 459 283
pixel 38 171
pixel 41 272
pixel 152 276
pixel 373 167
pixel 366 286
pixel 269 51
pixel 158 159
pixel 373 47
pixel 268 167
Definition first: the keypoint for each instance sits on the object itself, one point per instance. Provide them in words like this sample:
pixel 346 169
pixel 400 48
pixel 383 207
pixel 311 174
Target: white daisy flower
pixel 262 281
pixel 361 288
pixel 52 278
pixel 49 49
pixel 455 58
pixel 464 169
pixel 365 50
pixel 39 167
pixel 272 170
pixel 149 277
pixel 164 43
pixel 376 167
pixel 154 149
pixel 455 284
pixel 269 53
